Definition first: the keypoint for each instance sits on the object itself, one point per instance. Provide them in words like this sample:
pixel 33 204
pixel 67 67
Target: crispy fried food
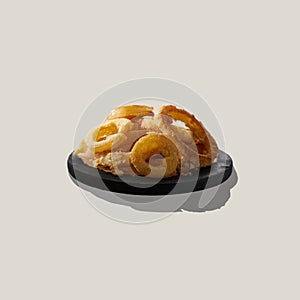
pixel 130 112
pixel 117 163
pixel 114 140
pixel 180 136
pixel 134 141
pixel 155 123
pixel 120 125
pixel 155 144
pixel 207 146
pixel 131 138
pixel 183 133
pixel 109 134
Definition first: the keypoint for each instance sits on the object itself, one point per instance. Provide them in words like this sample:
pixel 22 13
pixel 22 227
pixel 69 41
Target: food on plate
pixel 130 111
pixel 207 147
pixel 164 154
pixel 133 140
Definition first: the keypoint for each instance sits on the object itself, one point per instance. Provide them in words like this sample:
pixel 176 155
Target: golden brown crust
pixel 207 146
pixel 151 145
pixel 130 112
pixel 134 141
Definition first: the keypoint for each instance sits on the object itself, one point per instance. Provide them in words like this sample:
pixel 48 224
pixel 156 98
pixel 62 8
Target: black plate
pixel 137 185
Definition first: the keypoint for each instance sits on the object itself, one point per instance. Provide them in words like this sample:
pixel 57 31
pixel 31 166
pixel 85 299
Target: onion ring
pixel 207 146
pixel 120 125
pixel 111 133
pixel 187 150
pixel 151 145
pixel 134 141
pixel 130 112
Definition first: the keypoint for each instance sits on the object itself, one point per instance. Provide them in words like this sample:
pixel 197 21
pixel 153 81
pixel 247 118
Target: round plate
pixel 200 179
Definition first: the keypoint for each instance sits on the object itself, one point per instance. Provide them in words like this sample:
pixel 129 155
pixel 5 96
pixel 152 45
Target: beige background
pixel 56 56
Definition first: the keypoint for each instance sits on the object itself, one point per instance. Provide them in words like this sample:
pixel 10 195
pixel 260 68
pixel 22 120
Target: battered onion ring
pixel 187 150
pixel 120 125
pixel 207 146
pixel 132 144
pixel 130 112
pixel 111 133
pixel 151 145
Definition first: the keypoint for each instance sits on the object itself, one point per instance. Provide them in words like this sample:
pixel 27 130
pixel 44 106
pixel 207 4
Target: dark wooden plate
pixel 200 179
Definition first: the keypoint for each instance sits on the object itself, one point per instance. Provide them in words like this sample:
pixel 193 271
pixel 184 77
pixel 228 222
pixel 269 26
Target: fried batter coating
pixel 130 112
pixel 151 145
pixel 207 146
pixel 135 141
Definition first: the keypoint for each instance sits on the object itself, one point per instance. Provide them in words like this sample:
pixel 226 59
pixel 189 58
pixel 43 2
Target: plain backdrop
pixel 57 56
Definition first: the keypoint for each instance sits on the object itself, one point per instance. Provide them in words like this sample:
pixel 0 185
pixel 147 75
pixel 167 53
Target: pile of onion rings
pixel 133 140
